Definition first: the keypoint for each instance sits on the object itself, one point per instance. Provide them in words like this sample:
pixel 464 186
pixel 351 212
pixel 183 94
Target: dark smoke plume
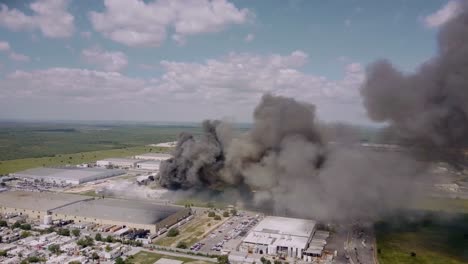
pixel 282 165
pixel 429 107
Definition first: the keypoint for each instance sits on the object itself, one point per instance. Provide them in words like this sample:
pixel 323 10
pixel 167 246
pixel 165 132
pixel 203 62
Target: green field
pixel 28 140
pixel 145 257
pixel 9 166
pixel 433 240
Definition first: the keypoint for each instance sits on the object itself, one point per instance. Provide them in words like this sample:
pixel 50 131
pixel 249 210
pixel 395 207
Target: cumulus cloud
pixel 245 77
pixel 49 16
pixel 249 38
pixel 18 57
pixel 105 60
pixel 4 46
pixel 444 14
pixel 235 81
pixel 136 23
pixel 73 83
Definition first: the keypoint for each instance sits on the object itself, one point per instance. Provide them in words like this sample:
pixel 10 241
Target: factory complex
pixel 147 161
pixel 287 237
pixel 82 209
pixel 67 175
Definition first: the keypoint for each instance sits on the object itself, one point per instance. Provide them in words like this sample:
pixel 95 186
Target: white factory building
pixel 289 237
pixel 118 162
pixel 152 165
pixel 67 175
pixel 153 156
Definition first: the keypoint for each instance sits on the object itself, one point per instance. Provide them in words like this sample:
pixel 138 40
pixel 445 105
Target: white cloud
pixel 222 86
pixel 18 57
pixel 136 23
pixel 249 38
pixel 49 16
pixel 348 22
pixel 4 46
pixel 85 34
pixel 78 84
pixel 444 14
pixel 105 60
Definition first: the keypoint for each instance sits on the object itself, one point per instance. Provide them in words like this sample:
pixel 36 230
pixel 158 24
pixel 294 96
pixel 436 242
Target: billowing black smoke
pixel 429 107
pixel 196 161
pixel 282 165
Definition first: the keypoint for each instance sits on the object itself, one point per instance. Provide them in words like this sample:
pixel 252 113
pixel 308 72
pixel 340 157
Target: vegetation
pixel 17 224
pixel 3 253
pixel 3 223
pixel 25 226
pixel 63 232
pixel 109 239
pixel 173 232
pixel 25 234
pixel 54 248
pixel 211 214
pixel 98 237
pixel 85 242
pixel 223 259
pixel 225 214
pixel 233 212
pixel 182 245
pixel 26 140
pixel 76 232
pixel 217 217
pixel 429 240
pixel 74 262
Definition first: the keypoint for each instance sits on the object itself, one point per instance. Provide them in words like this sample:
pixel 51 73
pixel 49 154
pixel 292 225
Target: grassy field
pixel 29 140
pixel 192 232
pixel 442 205
pixel 145 257
pixel 9 166
pixel 432 240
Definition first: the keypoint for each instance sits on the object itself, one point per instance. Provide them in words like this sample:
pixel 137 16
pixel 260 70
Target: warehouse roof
pixel 69 173
pixel 41 201
pixel 122 160
pixel 286 226
pixel 155 155
pixel 134 211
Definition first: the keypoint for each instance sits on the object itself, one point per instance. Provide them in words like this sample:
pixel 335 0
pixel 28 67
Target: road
pixel 361 244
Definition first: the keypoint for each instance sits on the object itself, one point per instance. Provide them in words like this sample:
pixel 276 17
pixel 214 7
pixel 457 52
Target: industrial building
pixel 153 156
pixel 35 204
pixel 288 237
pixel 149 165
pixel 118 162
pixel 67 175
pixel 82 209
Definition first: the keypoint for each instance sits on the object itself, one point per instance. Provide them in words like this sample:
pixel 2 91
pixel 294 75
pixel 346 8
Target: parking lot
pixel 229 235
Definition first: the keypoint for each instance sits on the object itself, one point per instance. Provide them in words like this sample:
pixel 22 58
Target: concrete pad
pixel 168 261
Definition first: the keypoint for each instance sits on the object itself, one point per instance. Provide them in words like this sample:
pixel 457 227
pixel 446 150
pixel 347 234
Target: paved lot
pixel 361 244
pixel 229 235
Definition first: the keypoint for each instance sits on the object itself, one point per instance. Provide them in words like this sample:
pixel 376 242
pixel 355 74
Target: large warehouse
pixel 149 165
pixel 67 175
pixel 118 162
pixel 153 156
pixel 280 236
pixel 105 211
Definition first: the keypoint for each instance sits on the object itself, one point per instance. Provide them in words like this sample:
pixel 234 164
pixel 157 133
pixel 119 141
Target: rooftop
pixel 40 201
pixel 286 226
pixel 155 155
pixel 140 212
pixel 66 172
pixel 122 160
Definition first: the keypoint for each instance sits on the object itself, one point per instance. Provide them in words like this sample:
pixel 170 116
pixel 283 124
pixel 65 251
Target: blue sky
pixel 166 60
